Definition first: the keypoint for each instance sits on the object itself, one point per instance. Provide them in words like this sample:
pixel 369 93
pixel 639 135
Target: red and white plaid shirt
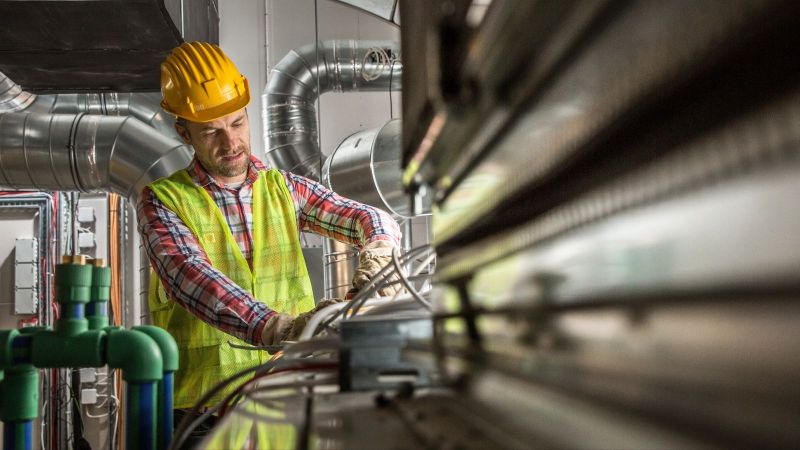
pixel 188 276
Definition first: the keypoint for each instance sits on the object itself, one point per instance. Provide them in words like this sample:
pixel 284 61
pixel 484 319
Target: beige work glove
pixel 283 327
pixel 277 329
pixel 374 257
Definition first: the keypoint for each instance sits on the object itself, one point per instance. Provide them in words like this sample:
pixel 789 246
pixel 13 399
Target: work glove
pixel 374 257
pixel 283 327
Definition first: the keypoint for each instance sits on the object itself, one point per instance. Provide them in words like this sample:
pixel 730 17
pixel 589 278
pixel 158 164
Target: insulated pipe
pixel 81 152
pixel 289 114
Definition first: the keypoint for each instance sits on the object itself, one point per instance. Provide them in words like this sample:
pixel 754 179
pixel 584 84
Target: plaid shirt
pixel 188 276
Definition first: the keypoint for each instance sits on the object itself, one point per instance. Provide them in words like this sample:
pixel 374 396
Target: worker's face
pixel 222 145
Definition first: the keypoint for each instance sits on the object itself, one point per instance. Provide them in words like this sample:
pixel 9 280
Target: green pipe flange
pixel 6 349
pixel 136 353
pixel 165 341
pixel 19 394
pixel 51 349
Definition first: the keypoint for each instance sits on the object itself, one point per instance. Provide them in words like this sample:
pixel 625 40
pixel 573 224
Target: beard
pixel 219 167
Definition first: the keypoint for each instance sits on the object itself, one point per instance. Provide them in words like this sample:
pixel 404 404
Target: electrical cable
pixel 382 59
pixel 373 285
pixel 43 424
pixel 225 404
pixel 269 403
pixel 195 410
pixel 406 283
pixel 186 426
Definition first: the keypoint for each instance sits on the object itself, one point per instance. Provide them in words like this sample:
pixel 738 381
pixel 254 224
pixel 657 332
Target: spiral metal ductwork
pixel 143 106
pixel 289 115
pixel 82 142
pixel 83 152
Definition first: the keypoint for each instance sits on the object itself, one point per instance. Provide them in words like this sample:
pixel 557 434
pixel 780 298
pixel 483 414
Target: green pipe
pixel 140 416
pixel 169 354
pixel 100 294
pixel 166 343
pixel 19 392
pixel 135 353
pixel 6 348
pixel 18 435
pixel 51 349
pixel 73 286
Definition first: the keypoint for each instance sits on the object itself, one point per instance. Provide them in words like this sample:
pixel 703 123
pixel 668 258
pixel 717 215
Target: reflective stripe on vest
pixel 278 278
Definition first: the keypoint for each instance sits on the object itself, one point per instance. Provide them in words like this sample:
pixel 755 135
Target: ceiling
pixel 97 45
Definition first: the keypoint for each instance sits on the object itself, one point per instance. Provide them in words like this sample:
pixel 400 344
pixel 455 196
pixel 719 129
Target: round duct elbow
pixel 297 81
pixel 366 168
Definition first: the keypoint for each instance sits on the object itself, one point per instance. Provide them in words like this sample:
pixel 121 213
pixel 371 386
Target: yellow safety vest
pixel 279 278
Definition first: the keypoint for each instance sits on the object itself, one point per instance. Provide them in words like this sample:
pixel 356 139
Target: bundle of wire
pixel 391 274
pixel 386 277
pixel 277 365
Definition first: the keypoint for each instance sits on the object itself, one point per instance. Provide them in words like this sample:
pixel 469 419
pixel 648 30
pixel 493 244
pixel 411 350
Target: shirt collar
pixel 202 178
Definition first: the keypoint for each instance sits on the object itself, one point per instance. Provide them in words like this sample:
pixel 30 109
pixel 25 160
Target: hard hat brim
pixel 207 115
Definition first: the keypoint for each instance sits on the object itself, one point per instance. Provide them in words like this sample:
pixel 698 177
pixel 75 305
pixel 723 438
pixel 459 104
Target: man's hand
pixel 283 327
pixel 374 257
pixel 277 328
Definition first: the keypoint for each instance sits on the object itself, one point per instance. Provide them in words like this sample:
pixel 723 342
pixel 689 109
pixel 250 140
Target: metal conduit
pixel 289 113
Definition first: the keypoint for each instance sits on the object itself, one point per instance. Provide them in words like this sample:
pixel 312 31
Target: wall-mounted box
pixel 26 276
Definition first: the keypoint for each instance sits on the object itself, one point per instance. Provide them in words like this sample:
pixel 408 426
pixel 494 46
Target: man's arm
pixel 190 280
pixel 324 212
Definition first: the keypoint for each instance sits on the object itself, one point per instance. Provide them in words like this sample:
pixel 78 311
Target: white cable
pixel 382 61
pixel 317 319
pixel 407 283
pixel 42 425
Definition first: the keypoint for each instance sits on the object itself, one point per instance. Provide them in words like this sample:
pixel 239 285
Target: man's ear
pixel 183 133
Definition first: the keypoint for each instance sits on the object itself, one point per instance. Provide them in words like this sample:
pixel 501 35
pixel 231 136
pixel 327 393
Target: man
pixel 222 235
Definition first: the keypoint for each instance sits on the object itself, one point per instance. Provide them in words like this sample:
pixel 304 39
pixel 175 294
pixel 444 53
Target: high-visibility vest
pixel 279 278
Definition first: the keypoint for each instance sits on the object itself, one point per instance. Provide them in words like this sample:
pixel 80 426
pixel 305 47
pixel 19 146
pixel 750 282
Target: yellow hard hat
pixel 200 83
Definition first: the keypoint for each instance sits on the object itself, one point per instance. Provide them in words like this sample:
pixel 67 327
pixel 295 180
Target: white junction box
pixel 88 396
pixel 86 239
pixel 85 214
pixel 26 276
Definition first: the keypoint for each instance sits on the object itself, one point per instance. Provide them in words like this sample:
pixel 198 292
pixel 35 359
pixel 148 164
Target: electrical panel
pixel 26 276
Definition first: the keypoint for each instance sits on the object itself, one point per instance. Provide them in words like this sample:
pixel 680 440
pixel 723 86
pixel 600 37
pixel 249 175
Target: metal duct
pixel 289 115
pixel 340 261
pixel 144 106
pixel 82 152
pixel 366 167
